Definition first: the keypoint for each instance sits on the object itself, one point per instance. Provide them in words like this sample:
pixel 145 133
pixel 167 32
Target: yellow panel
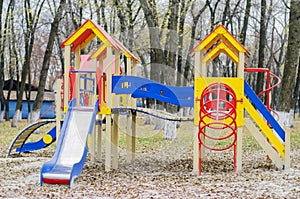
pixel 264 127
pixel 105 111
pixel 237 84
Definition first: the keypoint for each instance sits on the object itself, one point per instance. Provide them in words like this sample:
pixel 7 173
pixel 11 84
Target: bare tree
pixel 262 46
pixel 195 19
pixel 171 44
pixel 156 51
pixel 31 20
pixel 292 59
pixel 243 33
pixel 185 5
pixel 46 61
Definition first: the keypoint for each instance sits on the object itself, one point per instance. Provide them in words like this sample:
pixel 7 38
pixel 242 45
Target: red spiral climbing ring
pixel 217 111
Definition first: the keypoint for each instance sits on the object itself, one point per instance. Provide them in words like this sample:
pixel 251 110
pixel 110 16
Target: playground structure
pixel 96 89
pixel 220 104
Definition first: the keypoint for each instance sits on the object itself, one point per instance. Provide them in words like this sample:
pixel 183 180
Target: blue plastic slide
pixel 71 148
pixel 263 110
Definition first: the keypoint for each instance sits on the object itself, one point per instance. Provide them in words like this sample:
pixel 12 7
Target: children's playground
pixel 230 144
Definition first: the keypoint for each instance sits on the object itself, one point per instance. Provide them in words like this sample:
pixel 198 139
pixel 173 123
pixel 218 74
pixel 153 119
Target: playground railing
pixel 268 89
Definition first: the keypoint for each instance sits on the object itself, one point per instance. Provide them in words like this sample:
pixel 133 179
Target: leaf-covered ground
pixel 162 169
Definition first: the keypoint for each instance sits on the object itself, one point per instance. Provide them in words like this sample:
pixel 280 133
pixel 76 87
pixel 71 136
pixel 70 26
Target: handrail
pixel 268 85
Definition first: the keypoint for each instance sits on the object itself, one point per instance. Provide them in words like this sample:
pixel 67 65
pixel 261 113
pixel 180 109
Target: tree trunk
pixel 2 97
pixel 245 23
pixel 262 46
pixel 171 43
pixel 185 4
pixel 288 81
pixel 31 24
pixel 157 58
pixel 188 64
pixel 46 62
pixel 297 87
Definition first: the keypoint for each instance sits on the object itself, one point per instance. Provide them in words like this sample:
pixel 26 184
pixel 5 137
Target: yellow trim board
pixel 221 48
pixel 264 127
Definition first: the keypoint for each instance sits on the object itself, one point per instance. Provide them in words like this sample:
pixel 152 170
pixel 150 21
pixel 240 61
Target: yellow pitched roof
pixel 85 33
pixel 220 33
pixel 88 31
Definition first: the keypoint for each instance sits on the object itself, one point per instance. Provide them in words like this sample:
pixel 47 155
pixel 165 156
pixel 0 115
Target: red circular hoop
pixel 215 95
pixel 217 102
pixel 219 149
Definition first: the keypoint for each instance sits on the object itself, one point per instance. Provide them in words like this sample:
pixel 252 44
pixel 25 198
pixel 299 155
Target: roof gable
pixel 85 33
pixel 222 34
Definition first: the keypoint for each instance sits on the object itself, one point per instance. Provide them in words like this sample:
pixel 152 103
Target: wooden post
pixel 99 132
pixel 129 139
pixel 287 150
pixel 131 119
pixel 134 73
pixel 115 133
pixel 94 64
pixel 66 77
pixel 199 69
pixel 108 144
pixel 196 152
pixel 129 72
pixel 241 64
pixel 239 149
pixel 93 140
pixel 93 101
pixel 115 142
pixel 131 136
pixel 99 139
pixel 239 141
pixel 76 91
pixel 58 107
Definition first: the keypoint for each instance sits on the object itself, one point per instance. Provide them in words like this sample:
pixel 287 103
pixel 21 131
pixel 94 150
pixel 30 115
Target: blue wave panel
pixel 139 87
pixel 263 110
pixel 40 144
